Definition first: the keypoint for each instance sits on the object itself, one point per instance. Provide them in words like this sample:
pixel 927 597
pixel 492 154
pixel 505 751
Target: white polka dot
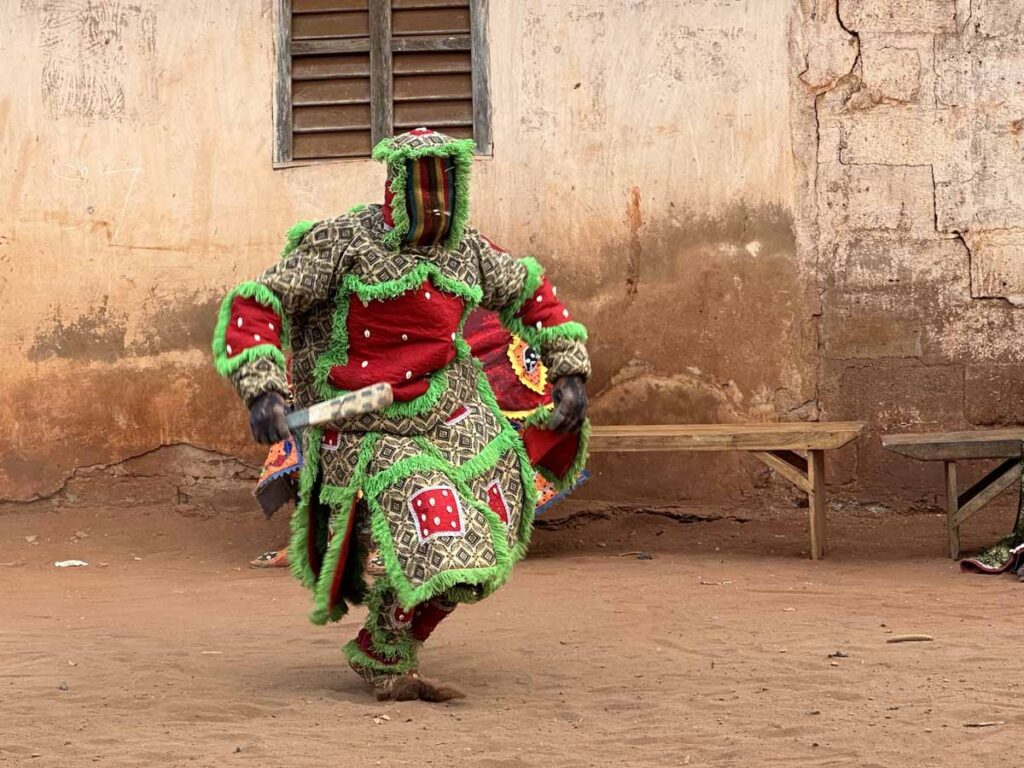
pixel 540 299
pixel 405 337
pixel 365 304
pixel 408 374
pixel 565 313
pixel 448 509
pixel 437 521
pixel 427 295
pixel 229 349
pixel 270 326
pixel 455 523
pixel 256 337
pixel 419 502
pixel 423 518
pixel 453 335
pixel 432 501
pixel 424 532
pixel 554 291
pixel 539 325
pixel 364 364
pixel 444 493
pixel 239 322
pixel 366 333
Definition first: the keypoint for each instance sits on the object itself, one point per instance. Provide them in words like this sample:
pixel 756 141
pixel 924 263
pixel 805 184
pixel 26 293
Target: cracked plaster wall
pixel 642 151
pixel 763 210
pixel 915 212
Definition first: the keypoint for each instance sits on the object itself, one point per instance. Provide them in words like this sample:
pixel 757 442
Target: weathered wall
pixel 911 202
pixel 642 149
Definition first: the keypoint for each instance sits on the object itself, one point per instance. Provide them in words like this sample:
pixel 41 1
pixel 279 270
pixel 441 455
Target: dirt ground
pixel 167 651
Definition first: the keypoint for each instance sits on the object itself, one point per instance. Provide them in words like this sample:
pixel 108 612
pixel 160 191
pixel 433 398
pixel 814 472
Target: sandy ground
pixel 167 651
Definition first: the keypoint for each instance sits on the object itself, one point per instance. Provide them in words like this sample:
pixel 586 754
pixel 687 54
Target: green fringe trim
pixel 540 418
pixel 530 334
pixel 460 150
pixel 342 503
pixel 491 577
pixel 337 350
pixel 355 656
pixel 357 208
pixel 225 364
pixel 568 480
pixel 295 234
pixel 526 469
pixel 406 648
pixel 298 547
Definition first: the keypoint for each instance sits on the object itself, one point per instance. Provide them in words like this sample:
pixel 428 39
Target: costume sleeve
pixel 529 307
pixel 251 336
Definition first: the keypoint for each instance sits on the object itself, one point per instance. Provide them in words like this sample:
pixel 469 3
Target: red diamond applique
pixel 496 501
pixel 436 511
pixel 402 618
pixel 330 440
pixel 457 415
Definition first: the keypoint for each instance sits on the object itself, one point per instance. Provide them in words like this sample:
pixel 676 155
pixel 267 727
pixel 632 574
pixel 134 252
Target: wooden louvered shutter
pixel 351 72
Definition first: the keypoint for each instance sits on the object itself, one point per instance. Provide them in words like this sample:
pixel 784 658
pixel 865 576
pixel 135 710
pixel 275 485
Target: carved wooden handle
pixel 372 398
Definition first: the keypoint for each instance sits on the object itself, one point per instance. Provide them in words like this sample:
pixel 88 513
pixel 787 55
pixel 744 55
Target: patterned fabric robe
pixel 440 478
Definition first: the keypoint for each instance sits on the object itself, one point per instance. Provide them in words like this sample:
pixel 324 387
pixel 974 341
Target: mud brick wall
pixel 914 216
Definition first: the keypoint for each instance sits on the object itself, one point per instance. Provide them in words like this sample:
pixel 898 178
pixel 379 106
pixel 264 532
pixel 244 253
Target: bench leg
pixel 809 476
pixel 816 502
pixel 952 509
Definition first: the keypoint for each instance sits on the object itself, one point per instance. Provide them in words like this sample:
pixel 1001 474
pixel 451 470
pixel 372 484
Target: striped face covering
pixel 429 199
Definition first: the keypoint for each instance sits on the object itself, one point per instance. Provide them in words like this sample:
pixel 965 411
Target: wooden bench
pixel 950 447
pixel 777 445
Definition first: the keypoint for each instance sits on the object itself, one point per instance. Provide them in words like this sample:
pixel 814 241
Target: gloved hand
pixel 266 419
pixel 569 394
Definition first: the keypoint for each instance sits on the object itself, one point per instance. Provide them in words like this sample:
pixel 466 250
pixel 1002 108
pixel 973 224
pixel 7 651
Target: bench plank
pixel 950 446
pixel 794 436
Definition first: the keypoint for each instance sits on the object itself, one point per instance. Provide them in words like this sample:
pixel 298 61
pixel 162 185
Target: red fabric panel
pixel 555 451
pixel 428 616
pixel 488 339
pixel 436 512
pixel 496 501
pixel 401 341
pixel 250 325
pixel 339 572
pixel 364 642
pixel 389 196
pixel 544 307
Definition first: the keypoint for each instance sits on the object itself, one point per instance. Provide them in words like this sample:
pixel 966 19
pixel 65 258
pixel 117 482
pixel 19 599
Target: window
pixel 351 72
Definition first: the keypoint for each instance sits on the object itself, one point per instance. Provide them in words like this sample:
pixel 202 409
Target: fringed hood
pixel 426 200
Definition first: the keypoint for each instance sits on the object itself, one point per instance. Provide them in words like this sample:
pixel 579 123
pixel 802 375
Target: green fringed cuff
pixel 227 363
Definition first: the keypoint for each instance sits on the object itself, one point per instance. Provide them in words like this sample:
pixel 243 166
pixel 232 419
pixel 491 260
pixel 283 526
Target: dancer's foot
pixel 411 686
pixel 407 687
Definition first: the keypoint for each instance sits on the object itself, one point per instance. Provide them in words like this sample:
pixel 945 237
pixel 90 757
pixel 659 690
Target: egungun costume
pixel 439 483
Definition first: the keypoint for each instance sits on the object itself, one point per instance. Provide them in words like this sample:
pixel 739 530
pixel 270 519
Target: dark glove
pixel 266 419
pixel 569 394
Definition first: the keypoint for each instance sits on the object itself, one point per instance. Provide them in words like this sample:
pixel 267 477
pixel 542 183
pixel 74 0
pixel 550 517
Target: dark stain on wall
pixel 181 322
pixel 95 335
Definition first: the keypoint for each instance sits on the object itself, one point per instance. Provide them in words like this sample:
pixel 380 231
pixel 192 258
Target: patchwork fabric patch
pixel 457 415
pixel 496 501
pixel 436 511
pixel 422 557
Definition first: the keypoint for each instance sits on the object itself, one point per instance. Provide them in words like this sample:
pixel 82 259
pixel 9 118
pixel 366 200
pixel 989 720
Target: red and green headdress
pixel 426 201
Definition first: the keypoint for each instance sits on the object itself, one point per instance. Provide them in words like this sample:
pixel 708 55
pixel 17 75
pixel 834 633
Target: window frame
pixel 381 48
